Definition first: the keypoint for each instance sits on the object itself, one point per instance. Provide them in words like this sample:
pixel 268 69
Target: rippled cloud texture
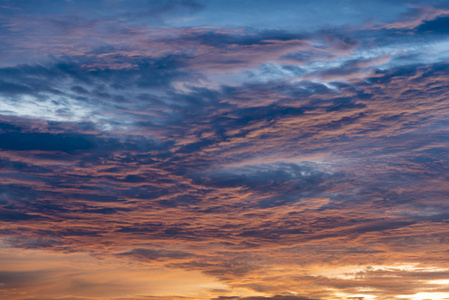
pixel 224 150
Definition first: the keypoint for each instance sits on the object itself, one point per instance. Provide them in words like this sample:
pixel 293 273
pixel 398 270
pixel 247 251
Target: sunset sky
pixel 224 150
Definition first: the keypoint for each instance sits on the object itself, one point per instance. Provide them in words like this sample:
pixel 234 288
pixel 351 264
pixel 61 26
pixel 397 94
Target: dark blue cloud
pixel 156 254
pixel 439 25
pixel 32 79
pixel 46 142
pixel 218 39
pixel 14 216
pixel 263 176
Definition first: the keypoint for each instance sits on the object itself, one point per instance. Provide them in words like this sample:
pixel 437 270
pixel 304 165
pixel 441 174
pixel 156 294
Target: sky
pixel 224 150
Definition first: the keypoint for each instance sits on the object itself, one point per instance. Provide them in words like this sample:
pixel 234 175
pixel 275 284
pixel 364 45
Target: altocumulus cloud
pixel 176 150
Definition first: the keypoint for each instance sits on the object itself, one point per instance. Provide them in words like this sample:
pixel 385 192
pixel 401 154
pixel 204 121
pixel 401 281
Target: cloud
pixel 436 26
pixel 279 297
pixel 159 11
pixel 260 176
pixel 12 216
pixel 156 254
pixel 45 142
pixel 242 163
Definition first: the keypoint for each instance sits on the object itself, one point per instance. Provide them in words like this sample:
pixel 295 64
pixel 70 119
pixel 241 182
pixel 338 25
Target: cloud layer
pixel 151 151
